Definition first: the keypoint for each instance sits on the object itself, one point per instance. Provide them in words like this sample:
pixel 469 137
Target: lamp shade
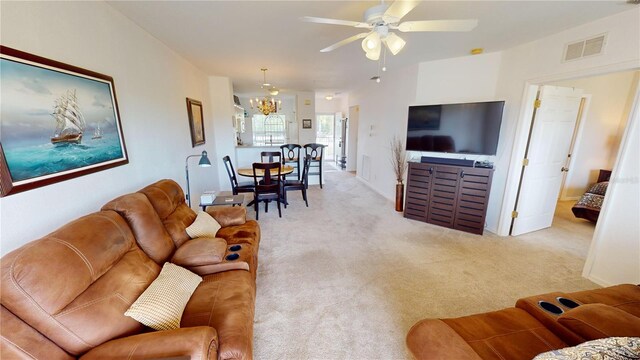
pixel 204 160
pixel 371 46
pixel 394 43
pixel 373 55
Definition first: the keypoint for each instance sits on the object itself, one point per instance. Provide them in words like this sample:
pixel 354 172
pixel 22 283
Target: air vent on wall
pixel 585 48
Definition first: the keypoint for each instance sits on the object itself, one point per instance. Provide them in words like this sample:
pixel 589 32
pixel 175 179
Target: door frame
pixel 523 125
pixel 575 144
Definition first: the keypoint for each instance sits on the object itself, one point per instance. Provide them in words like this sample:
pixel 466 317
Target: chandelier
pixel 267 105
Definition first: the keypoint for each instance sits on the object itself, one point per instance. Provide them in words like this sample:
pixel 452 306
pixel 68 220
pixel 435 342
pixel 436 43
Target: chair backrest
pixel 292 152
pixel 268 156
pixel 305 169
pixel 314 150
pixel 271 179
pixel 232 174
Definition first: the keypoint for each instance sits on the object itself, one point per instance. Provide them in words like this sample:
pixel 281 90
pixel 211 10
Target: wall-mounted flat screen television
pixel 471 128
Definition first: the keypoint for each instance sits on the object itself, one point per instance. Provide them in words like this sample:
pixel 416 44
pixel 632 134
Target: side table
pixel 225 200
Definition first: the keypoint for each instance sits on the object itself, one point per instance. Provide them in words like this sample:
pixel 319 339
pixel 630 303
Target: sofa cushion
pixel 229 216
pixel 225 301
pixel 506 334
pixel 176 224
pixel 167 199
pixel 203 226
pixel 200 251
pixel 165 196
pixel 596 321
pixel 614 348
pixel 625 297
pixel 149 232
pixel 18 340
pixel 161 305
pixel 248 233
pixel 74 284
pixel 433 339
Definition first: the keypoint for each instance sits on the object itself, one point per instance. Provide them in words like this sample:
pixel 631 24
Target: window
pixel 268 130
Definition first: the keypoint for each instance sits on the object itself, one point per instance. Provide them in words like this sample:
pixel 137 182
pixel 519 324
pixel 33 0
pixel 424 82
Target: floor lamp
pixel 204 162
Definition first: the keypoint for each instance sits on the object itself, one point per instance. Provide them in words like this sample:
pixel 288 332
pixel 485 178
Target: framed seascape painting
pixel 196 122
pixel 57 122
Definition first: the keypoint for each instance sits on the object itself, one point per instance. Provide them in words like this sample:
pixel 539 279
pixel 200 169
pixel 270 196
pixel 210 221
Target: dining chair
pixel 269 188
pixel 315 151
pixel 301 185
pixel 291 156
pixel 270 156
pixel 235 186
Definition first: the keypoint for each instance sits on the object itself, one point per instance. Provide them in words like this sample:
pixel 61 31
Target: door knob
pixel 564 169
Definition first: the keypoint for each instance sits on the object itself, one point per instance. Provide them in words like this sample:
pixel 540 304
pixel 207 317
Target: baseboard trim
pixel 365 182
pixel 570 198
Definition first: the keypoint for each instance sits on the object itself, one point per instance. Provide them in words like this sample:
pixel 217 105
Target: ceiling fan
pixel 382 18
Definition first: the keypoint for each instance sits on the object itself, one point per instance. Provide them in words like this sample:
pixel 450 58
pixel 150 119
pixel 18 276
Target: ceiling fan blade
pixel 438 25
pixel 399 9
pixel 319 20
pixel 344 42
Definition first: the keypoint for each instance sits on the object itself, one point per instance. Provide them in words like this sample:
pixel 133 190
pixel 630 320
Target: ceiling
pixel 237 38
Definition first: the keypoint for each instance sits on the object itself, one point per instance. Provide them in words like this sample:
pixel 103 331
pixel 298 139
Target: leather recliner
pixel 529 329
pixel 64 295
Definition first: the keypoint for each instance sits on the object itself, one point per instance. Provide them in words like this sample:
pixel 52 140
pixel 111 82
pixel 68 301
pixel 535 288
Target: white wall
pixel 600 136
pixel 538 62
pixel 306 109
pixel 335 105
pixel 222 111
pixel 458 80
pixel 614 256
pixel 384 107
pixel 383 114
pixel 353 124
pixel 152 83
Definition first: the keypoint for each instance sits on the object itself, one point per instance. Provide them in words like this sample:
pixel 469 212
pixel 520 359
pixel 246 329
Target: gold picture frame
pixel 196 122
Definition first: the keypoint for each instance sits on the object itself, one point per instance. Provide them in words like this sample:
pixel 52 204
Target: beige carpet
pixel 347 277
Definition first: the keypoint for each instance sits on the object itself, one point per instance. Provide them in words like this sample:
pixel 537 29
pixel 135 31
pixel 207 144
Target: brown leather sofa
pixel 535 325
pixel 64 296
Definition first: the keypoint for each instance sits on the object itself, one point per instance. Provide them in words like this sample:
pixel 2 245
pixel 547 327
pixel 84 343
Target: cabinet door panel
pixel 444 192
pixel 473 197
pixel 418 191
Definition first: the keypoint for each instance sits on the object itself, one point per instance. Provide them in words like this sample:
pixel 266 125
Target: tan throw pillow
pixel 204 225
pixel 160 307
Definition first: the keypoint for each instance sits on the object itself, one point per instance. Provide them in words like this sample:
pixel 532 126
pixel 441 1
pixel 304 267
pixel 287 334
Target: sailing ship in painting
pixel 97 133
pixel 70 123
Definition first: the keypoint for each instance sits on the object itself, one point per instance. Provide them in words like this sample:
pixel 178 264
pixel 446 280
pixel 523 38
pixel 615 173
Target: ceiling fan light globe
pixel 394 43
pixel 373 55
pixel 371 42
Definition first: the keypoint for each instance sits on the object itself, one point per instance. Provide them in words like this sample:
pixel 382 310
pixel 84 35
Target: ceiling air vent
pixel 585 48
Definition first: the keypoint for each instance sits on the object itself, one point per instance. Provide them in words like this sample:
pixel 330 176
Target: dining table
pixel 248 172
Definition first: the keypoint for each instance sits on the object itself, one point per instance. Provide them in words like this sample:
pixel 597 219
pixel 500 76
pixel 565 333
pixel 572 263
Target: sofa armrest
pixel 199 342
pixel 597 321
pixel 200 251
pixel 229 215
pixel 433 339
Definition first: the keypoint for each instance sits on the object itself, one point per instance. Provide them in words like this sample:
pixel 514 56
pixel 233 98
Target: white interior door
pixel 549 142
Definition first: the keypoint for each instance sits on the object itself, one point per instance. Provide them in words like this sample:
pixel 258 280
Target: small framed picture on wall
pixel 196 122
pixel 306 123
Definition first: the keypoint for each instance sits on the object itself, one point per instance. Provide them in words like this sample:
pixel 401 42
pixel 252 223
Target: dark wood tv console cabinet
pixel 451 196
